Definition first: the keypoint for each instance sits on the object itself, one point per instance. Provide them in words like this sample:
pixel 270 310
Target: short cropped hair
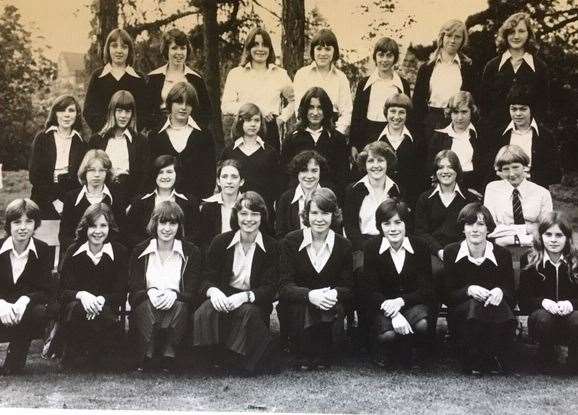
pixel 386 44
pixel 520 95
pixel 179 38
pixel 326 107
pixel 469 215
pixel 377 148
pixel 462 98
pixel 245 113
pixel 167 211
pixel 388 209
pixel 508 27
pixel 399 100
pixel 509 154
pixel 252 201
pixel 60 104
pixel 183 92
pixel 250 42
pixel 300 161
pixel 325 200
pixel 91 214
pixel 122 35
pixel 18 208
pixel 90 157
pixel 454 160
pixel 324 37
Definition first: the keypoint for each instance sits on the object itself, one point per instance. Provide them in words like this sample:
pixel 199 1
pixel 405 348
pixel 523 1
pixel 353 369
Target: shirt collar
pixel 313 67
pixel 125 134
pixel 404 133
pixel 547 259
pixel 374 77
pixel 240 141
pixel 106 249
pixel 190 122
pixel 438 189
pixel 456 59
pixel 55 129
pixel 128 69
pixel 365 180
pixel 449 130
pixel 308 239
pixel 84 190
pixel 298 194
pixel 237 240
pixel 270 66
pixel 8 245
pixel 153 248
pixel 310 131
pixel 512 127
pixel 385 245
pixel 528 58
pixel 464 252
pixel 173 194
pixel 163 70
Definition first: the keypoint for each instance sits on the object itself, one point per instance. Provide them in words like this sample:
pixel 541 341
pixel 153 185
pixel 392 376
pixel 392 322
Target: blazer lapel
pixel 294 213
pixel 7 265
pixel 258 259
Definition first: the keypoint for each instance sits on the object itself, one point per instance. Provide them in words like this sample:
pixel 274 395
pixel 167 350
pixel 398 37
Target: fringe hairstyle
pixel 124 100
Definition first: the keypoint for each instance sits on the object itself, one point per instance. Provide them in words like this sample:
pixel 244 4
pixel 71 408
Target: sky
pixel 63 25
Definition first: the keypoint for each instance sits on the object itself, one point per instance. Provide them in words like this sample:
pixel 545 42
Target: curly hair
pixel 326 201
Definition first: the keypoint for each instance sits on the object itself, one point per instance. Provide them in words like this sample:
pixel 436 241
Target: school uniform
pixel 472 151
pixel 215 219
pixel 27 275
pixel 180 273
pixel 48 183
pixel 367 120
pixel 157 92
pixel 196 157
pixel 542 148
pixel 303 270
pixel 101 88
pixel 244 331
pixel 131 154
pixel 555 282
pixel 141 209
pixel 104 274
pixel 499 77
pixel 330 144
pixel 483 332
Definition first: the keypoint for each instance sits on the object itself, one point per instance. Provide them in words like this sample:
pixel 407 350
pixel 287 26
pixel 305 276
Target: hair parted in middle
pixel 60 104
pixel 89 158
pixel 117 35
pixel 250 42
pixel 245 113
pixel 183 92
pixel 326 107
pixel 124 100
pixel 91 214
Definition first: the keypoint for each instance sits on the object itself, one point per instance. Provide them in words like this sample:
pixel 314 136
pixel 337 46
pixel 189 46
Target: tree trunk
pixel 293 38
pixel 108 19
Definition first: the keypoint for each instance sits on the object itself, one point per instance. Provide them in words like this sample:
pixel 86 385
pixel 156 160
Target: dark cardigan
pixel 421 92
pixel 107 278
pixel 478 177
pixel 436 223
pixel 264 269
pixel 156 118
pixel 197 160
pixel 34 282
pixel 140 211
pixel 354 195
pixel 545 169
pixel 363 130
pixel 100 91
pixel 497 84
pixel 298 276
pixel 541 283
pixel 381 281
pixel 459 276
pixel 210 222
pixel 331 145
pixel 41 171
pixel 138 159
pixel 190 274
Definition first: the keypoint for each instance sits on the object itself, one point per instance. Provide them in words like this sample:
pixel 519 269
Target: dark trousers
pixel 33 322
pixel 549 329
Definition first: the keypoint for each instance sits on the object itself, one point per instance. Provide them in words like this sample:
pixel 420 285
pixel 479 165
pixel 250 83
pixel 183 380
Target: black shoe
pixel 498 366
pixel 168 364
pixel 303 364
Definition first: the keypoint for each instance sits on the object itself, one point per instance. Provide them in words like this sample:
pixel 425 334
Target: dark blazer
pixel 41 171
pixel 298 276
pixel 541 283
pixel 107 278
pixel 264 269
pixel 210 222
pixel 190 274
pixel 496 85
pixel 138 159
pixel 35 279
pixel 421 91
pixel 140 211
pixel 354 195
pixel 478 177
pixel 362 130
pixel 100 91
pixel 436 223
pixel 154 86
pixel 545 169
pixel 459 276
pixel 381 281
pixel 197 161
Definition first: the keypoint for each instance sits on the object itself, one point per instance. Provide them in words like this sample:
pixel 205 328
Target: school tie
pixel 517 208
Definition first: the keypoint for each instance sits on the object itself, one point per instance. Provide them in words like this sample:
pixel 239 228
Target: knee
pixel 421 327
pixel 387 337
pixel 573 322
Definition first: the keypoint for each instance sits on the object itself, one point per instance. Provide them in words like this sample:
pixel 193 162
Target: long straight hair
pixel 124 100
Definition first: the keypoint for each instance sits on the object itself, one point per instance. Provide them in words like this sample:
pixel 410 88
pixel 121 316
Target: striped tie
pixel 517 208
